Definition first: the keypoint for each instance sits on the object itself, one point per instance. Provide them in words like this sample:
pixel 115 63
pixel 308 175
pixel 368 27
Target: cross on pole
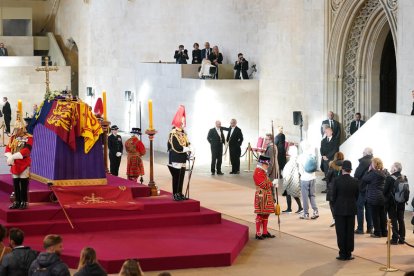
pixel 47 69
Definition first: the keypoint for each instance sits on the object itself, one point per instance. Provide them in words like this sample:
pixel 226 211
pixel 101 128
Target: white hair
pixel 367 151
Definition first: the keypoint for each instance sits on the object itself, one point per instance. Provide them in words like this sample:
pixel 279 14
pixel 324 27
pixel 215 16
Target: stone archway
pixel 356 34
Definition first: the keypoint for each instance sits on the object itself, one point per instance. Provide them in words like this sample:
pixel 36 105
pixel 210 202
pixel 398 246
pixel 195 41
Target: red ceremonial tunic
pixel 263 199
pixel 22 144
pixel 135 149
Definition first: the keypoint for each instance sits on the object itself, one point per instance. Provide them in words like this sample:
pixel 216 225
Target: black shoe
pixel 268 235
pixel 24 205
pixel 231 172
pixel 259 237
pixel 393 242
pixel 287 211
pixel 220 173
pixel 349 258
pixel 15 205
pixel 341 258
pixel 213 173
pixel 238 172
pixel 324 192
pixel 182 197
pixel 359 232
pixel 299 211
pixel 370 230
pixel 176 197
pixel 401 242
pixel 374 236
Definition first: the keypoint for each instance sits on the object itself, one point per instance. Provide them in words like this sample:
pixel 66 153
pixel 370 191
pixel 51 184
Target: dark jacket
pixel 51 262
pixel 17 263
pixel 115 144
pixel 375 181
pixel 91 270
pixel 335 170
pixel 389 189
pixel 362 168
pixel 7 111
pixel 181 56
pixel 236 138
pixel 336 128
pixel 242 68
pixel 175 149
pixel 354 126
pixel 205 53
pixel 329 149
pixel 214 139
pixel 196 57
pixel 344 195
pixel 280 140
pixel 213 57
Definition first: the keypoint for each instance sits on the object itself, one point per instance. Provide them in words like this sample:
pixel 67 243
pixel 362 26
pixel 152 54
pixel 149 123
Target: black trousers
pixel 216 158
pixel 344 226
pixel 235 152
pixel 396 214
pixel 7 123
pixel 178 176
pixel 20 186
pixel 114 164
pixel 379 220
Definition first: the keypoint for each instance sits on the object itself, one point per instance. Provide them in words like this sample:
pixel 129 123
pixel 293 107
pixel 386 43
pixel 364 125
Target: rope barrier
pixel 245 150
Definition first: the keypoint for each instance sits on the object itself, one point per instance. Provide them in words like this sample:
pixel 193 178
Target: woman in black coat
pixel 335 170
pixel 375 179
pixel 280 141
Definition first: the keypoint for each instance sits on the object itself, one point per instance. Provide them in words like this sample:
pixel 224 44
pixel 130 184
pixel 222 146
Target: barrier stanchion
pixel 250 158
pixel 388 268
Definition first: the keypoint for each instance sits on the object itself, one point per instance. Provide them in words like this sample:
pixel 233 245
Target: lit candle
pixel 151 126
pixel 20 107
pixel 104 105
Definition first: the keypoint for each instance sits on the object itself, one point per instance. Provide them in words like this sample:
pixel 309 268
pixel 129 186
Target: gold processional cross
pixel 47 69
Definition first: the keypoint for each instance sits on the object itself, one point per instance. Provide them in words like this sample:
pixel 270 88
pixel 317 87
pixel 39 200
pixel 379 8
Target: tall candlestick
pixel 20 108
pixel 104 105
pixel 151 126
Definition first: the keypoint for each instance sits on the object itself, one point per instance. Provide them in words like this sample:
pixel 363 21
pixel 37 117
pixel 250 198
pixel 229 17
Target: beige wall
pixel 284 39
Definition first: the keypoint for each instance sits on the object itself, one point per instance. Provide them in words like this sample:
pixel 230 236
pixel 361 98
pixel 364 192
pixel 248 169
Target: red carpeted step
pixel 40 192
pixel 52 211
pixel 162 248
pixel 61 226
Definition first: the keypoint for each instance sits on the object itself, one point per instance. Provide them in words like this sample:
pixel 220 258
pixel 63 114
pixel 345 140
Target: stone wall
pixel 284 38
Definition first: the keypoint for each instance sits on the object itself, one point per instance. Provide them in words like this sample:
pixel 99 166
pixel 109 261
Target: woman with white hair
pixel 291 181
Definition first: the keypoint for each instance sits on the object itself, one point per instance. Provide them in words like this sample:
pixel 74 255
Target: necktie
pixel 358 125
pixel 330 123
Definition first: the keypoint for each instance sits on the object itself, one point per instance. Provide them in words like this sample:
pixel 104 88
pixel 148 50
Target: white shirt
pixel 305 176
pixel 219 133
pixel 231 131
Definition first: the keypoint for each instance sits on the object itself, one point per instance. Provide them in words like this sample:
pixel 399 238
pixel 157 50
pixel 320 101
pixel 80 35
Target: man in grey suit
pixel 3 50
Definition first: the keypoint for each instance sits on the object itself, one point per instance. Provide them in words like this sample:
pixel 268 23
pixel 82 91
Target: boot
pixel 15 205
pixel 181 183
pixel 299 203
pixel 175 174
pixel 24 185
pixel 24 205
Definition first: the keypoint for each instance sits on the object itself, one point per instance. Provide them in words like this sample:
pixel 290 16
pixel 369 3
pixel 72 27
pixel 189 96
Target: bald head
pixel 218 124
pixel 330 115
pixel 233 122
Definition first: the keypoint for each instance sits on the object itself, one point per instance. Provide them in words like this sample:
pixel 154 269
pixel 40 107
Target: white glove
pixel 17 155
pixel 118 154
pixel 8 154
pixel 276 183
pixel 10 160
pixel 186 149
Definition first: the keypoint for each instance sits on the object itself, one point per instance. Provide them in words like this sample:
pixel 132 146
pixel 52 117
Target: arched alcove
pixel 357 34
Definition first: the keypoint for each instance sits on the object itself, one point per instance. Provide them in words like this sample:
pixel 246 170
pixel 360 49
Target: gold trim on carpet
pixel 70 182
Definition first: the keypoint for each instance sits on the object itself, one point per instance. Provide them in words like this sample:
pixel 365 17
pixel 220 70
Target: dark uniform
pixel 115 146
pixel 345 193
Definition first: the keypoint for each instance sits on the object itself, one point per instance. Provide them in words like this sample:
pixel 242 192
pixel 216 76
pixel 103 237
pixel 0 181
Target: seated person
pixel 206 69
pixel 181 55
pixel 3 50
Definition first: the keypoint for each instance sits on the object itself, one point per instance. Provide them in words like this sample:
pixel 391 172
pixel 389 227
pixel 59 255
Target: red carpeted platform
pixel 162 234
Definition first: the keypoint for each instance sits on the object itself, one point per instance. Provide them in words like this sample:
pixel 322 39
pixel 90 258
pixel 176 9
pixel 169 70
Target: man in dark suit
pixel 181 55
pixel 329 146
pixel 3 50
pixel 344 197
pixel 216 139
pixel 235 140
pixel 333 124
pixel 206 52
pixel 356 124
pixel 116 148
pixel 7 114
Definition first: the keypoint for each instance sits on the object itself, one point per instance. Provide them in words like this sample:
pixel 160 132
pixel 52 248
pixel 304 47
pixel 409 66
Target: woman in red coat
pixel 135 150
pixel 263 200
